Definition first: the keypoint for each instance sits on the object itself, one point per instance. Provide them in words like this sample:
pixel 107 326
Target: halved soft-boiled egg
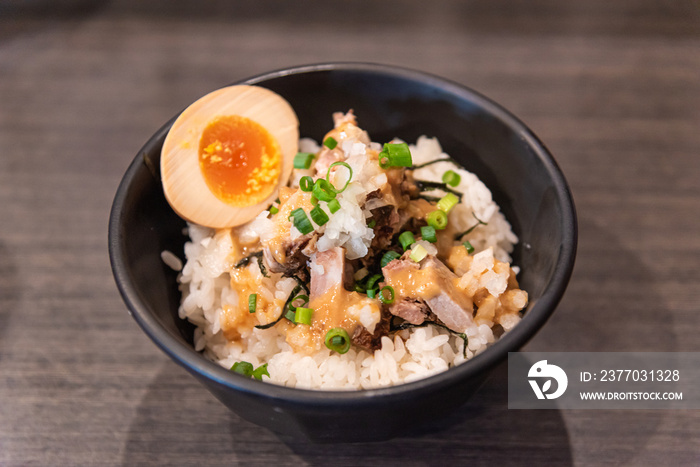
pixel 226 155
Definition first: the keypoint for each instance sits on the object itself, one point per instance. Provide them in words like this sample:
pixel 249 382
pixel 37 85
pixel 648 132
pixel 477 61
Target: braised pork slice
pixel 413 310
pixel 433 283
pixel 327 272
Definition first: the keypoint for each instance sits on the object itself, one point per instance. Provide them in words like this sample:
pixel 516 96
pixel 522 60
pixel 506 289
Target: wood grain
pixel 611 87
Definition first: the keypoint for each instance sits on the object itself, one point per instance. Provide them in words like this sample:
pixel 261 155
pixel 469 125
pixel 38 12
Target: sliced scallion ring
pixel 388 257
pixel 244 368
pixel 406 239
pixel 306 183
pixel 447 202
pixel 333 206
pixel 303 160
pixel 304 298
pixel 323 190
pixel 300 221
pixel 382 296
pixel 330 142
pixel 418 253
pixel 290 315
pixel 437 219
pixel 338 340
pixel 395 155
pixel 318 215
pixel 452 178
pixel 427 233
pixel 303 315
pixel 347 182
pixel 373 280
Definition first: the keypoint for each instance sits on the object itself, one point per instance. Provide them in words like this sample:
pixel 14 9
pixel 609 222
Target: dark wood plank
pixel 611 87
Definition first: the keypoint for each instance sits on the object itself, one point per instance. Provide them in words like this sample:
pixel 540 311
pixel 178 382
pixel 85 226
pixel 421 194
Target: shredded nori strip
pixel 425 185
pixel 302 284
pixel 446 159
pixel 262 266
pixel 407 325
pixel 245 261
pixel 432 199
pixel 479 222
pixel 297 288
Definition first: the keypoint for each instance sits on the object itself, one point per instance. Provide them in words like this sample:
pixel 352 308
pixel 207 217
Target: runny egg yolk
pixel 240 160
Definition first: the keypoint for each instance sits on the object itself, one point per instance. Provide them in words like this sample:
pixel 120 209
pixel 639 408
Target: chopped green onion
pixel 383 298
pixel 328 175
pixel 372 223
pixel 469 247
pixel 395 155
pixel 359 288
pixel 290 315
pixel 330 142
pixel 437 220
pixel 371 293
pixel 333 206
pixel 418 253
pixel 318 215
pixel 314 200
pixel 406 239
pixel 300 221
pixel 303 315
pixel 274 210
pixel 338 340
pixel 388 257
pixel 261 371
pixel 305 298
pixel 427 233
pixel 303 160
pixel 447 202
pixel 306 183
pixel 252 302
pixel 372 281
pixel 244 368
pixel 451 177
pixel 384 161
pixel 434 161
pixel 323 190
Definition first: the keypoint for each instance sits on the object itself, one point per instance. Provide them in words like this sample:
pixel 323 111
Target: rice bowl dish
pixel 147 245
pixel 413 297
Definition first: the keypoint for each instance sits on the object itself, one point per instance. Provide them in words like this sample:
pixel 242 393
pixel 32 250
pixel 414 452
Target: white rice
pixel 411 355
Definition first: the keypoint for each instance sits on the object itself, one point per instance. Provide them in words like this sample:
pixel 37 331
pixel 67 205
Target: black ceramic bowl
pixel 485 138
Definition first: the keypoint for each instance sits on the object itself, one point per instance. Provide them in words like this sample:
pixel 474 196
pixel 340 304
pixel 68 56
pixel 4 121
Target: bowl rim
pixel 202 368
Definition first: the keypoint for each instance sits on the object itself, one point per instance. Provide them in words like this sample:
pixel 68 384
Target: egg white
pixel 183 182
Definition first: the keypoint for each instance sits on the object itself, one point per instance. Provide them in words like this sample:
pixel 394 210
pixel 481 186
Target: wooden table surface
pixel 613 89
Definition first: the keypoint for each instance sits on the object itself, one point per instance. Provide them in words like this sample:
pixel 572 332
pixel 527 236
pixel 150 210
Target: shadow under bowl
pixel 390 102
